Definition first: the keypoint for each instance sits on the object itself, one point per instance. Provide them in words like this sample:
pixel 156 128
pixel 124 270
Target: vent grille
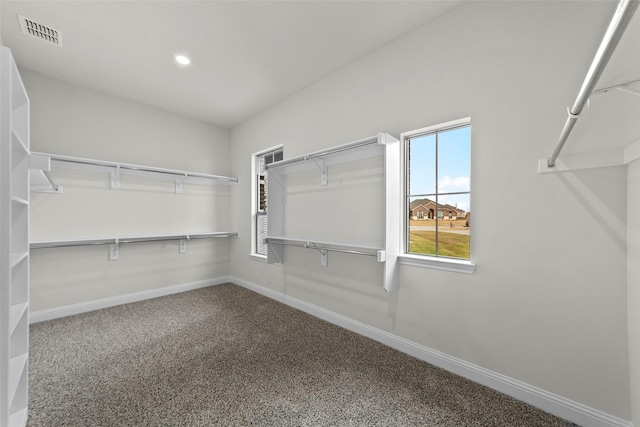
pixel 35 29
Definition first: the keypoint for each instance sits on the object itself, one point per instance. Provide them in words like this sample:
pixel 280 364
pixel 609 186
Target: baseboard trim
pixel 83 307
pixel 548 402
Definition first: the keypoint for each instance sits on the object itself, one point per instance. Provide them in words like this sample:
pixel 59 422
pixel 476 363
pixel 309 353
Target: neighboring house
pixel 425 209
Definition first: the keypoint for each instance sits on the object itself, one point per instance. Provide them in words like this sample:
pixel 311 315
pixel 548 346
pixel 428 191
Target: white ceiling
pixel 247 55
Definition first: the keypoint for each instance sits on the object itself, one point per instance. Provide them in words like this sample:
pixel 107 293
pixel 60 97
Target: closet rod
pixel 320 246
pixel 111 241
pixel 137 168
pixel 322 153
pixel 617 26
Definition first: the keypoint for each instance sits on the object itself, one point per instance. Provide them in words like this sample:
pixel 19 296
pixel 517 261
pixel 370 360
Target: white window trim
pixel 254 202
pixel 258 257
pixel 437 263
pixel 426 261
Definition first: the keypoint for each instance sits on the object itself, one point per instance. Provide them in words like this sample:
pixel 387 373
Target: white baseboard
pixel 83 307
pixel 548 402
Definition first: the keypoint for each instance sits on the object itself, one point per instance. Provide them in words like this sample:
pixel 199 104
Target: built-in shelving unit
pixel 317 182
pixel 14 246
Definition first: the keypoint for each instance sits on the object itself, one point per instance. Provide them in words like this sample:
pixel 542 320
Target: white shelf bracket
pixel 178 185
pixel 40 179
pixel 183 246
pixel 323 253
pixel 114 251
pixel 115 178
pixel 320 163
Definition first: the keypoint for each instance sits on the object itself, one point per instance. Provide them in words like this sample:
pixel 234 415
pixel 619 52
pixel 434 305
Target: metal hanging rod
pixel 612 36
pixel 327 152
pixel 356 250
pixel 112 241
pixel 137 168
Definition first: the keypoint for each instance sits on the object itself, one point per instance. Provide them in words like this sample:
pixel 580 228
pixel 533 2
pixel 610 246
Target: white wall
pixel 633 280
pixel 547 304
pixel 74 121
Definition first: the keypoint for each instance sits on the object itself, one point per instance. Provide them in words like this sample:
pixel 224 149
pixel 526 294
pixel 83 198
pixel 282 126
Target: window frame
pixel 255 202
pixel 424 260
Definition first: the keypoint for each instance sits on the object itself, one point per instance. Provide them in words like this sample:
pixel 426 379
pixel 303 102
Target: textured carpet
pixel 227 356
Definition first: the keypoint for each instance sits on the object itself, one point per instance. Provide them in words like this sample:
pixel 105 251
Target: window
pixel 437 165
pixel 260 198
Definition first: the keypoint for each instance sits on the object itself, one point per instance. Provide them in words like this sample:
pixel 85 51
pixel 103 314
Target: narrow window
pixel 260 198
pixel 437 175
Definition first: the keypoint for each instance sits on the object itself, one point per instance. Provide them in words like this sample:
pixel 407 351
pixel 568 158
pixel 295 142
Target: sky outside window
pixel 454 168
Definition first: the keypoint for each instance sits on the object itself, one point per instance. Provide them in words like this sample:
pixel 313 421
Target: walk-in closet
pixel 320 213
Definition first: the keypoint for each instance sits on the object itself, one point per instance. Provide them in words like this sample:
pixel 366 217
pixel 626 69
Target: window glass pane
pixel 422 160
pixel 421 238
pixel 277 156
pixel 454 168
pixel 454 227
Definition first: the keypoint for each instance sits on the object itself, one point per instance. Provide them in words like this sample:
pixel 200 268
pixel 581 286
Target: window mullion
pixel 437 192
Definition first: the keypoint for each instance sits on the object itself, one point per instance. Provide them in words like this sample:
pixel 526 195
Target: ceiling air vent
pixel 35 29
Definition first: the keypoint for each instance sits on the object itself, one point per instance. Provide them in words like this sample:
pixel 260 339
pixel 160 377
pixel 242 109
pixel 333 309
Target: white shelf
pixel 332 210
pixel 44 183
pixel 16 257
pixel 362 149
pixel 19 418
pixel 18 142
pixel 20 276
pixel 324 245
pixel 129 239
pixel 19 201
pixel 19 224
pixel 17 367
pixel 16 312
pixel 19 168
pixel 19 336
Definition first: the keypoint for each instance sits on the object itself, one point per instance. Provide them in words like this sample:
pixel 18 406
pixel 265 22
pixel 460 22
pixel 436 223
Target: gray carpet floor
pixel 226 356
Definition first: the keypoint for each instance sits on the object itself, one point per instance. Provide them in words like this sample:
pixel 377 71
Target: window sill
pixel 447 264
pixel 258 257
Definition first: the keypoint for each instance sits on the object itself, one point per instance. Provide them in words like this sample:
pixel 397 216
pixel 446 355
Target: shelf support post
pixel 323 257
pixel 115 178
pixel 114 251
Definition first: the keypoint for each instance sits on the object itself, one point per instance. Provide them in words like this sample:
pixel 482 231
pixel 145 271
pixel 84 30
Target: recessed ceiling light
pixel 183 60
